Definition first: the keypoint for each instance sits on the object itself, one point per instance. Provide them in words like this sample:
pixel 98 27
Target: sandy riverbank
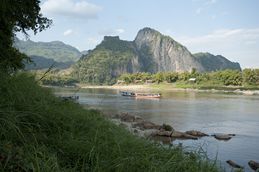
pixel 172 88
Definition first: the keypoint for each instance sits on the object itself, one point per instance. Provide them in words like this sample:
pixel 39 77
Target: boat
pixel 128 94
pixel 140 95
pixel 148 95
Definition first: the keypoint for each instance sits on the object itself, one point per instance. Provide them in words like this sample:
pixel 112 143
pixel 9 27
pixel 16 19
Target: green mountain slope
pixel 55 50
pixel 109 59
pixel 215 62
pixel 149 52
pixel 39 62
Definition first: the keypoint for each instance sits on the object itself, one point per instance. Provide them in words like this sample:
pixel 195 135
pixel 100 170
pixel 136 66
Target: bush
pixel 40 132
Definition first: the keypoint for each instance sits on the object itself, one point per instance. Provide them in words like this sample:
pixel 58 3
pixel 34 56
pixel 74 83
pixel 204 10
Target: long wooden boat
pixel 140 95
pixel 148 95
pixel 128 94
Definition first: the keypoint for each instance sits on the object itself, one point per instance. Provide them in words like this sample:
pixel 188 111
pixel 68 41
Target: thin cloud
pixel 111 32
pixel 198 11
pixel 241 45
pixel 68 32
pixel 224 35
pixel 69 8
pixel 120 31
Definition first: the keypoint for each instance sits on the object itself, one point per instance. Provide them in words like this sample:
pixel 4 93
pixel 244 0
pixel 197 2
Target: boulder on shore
pixel 125 117
pixel 167 127
pixel 163 133
pixel 182 135
pixel 196 133
pixel 146 125
pixel 233 164
pixel 254 165
pixel 173 134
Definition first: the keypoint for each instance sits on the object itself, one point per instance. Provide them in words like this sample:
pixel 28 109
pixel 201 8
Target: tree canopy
pixel 18 16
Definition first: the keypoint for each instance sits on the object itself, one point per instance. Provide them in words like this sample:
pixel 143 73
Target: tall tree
pixel 18 16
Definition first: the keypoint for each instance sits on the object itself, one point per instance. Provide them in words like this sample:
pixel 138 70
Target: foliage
pixel 171 77
pixel 218 78
pixel 229 77
pixel 40 132
pixel 15 16
pixel 212 62
pixel 158 77
pixel 55 50
pixel 250 76
pixel 104 63
pixel 55 78
pixel 39 63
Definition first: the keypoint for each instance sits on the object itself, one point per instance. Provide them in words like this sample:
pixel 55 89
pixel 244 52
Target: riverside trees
pixel 18 16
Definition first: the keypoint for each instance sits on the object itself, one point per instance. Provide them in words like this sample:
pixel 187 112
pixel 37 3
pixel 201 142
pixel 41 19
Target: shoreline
pixel 167 88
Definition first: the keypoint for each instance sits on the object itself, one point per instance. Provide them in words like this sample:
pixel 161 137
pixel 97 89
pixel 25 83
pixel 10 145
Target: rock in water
pixel 254 165
pixel 164 133
pixel 233 164
pixel 182 135
pixel 224 137
pixel 196 133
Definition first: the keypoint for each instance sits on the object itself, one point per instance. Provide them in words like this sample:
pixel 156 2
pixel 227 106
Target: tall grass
pixel 40 132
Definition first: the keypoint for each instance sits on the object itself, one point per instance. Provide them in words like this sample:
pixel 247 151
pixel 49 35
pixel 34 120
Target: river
pixel 204 111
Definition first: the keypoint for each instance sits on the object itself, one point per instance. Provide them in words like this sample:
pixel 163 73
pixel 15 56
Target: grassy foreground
pixel 39 132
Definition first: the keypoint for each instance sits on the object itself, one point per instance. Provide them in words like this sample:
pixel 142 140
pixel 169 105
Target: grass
pixel 40 132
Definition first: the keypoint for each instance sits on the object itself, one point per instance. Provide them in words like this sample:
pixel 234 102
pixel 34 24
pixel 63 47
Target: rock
pixel 163 133
pixel 127 117
pixel 167 127
pixel 146 125
pixel 233 164
pixel 138 119
pixel 123 125
pixel 254 165
pixel 182 135
pixel 223 136
pixel 135 131
pixel 116 116
pixel 196 133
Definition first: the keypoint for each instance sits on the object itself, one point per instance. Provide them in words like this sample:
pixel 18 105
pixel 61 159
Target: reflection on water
pixel 207 112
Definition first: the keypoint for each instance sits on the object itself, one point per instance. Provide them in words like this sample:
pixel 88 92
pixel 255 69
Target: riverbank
pixel 41 132
pixel 174 87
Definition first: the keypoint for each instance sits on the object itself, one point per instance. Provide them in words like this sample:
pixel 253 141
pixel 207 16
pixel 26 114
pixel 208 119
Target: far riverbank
pixel 171 87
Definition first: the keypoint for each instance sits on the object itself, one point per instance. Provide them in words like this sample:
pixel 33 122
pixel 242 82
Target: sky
pixel 221 27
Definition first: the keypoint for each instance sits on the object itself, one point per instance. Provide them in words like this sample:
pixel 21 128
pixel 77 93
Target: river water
pixel 207 112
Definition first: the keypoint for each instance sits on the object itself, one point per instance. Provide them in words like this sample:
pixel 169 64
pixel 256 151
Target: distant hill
pixel 39 62
pixel 149 52
pixel 211 62
pixel 55 50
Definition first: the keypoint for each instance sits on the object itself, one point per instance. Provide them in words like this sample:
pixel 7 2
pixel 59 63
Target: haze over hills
pixel 149 52
pixel 44 54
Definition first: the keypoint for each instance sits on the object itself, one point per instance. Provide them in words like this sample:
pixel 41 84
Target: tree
pixel 18 16
pixel 249 76
pixel 158 77
pixel 171 77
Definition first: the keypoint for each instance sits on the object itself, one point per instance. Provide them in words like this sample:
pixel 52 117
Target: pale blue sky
pixel 226 27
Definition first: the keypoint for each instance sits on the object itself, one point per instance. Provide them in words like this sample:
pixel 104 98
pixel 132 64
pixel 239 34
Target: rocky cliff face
pixel 149 52
pixel 165 53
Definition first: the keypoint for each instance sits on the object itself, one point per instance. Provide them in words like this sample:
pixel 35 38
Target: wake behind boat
pixel 140 95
